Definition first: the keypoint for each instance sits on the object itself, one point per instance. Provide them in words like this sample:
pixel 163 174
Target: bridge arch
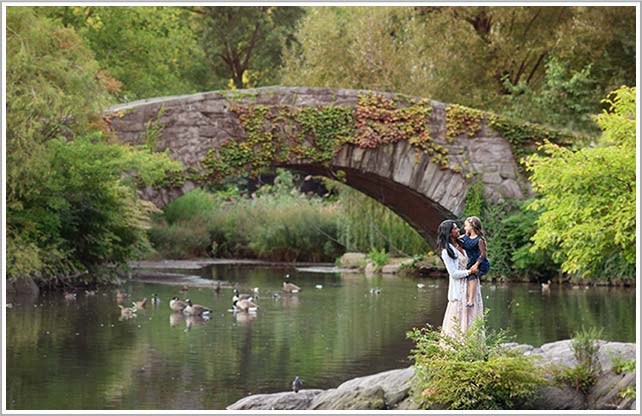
pixel 416 156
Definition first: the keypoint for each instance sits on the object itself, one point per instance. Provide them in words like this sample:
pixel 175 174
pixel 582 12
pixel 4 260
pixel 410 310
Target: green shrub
pixel 585 346
pixel 379 257
pixel 628 393
pixel 275 223
pixel 622 366
pixel 475 202
pixel 181 241
pixel 509 228
pixel 471 370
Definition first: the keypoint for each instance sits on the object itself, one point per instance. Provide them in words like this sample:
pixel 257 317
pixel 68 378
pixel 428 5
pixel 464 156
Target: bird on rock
pixel 297 384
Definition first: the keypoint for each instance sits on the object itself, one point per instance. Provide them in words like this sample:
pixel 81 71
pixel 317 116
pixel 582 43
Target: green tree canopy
pixel 588 196
pixel 549 64
pixel 71 200
pixel 244 43
pixel 153 51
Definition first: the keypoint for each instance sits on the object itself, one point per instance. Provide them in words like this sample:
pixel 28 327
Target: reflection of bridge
pixel 417 157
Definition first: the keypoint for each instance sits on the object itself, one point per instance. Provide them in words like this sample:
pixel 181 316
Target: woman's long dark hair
pixel 443 237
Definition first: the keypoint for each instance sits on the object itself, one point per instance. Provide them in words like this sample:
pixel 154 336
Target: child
pixel 475 245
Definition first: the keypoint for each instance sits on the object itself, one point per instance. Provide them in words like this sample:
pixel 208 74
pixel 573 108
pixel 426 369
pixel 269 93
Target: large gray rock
pixel 353 260
pixel 395 384
pixel 390 268
pixel 359 398
pixel 558 397
pixel 277 401
pixel 605 394
pixel 391 389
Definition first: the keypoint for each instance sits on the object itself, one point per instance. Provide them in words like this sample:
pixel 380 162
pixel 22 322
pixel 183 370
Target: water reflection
pixel 244 317
pixel 80 355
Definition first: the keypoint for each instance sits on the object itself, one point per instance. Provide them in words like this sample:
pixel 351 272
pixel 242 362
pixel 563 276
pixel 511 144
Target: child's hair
pixel 477 226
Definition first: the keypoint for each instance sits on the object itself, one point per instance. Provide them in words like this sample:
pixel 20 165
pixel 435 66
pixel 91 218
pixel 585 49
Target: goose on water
pixel 176 304
pixel 290 287
pixel 195 310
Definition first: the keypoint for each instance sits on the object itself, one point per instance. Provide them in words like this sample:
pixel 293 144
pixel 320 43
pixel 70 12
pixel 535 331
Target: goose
pixel 319 286
pixel 244 305
pixel 176 304
pixel 241 296
pixel 140 304
pixel 375 291
pixel 290 287
pixel 297 384
pixel 90 292
pixel 217 289
pixel 420 285
pixel 155 299
pixel 546 285
pixel 195 310
pixel 70 296
pixel 184 288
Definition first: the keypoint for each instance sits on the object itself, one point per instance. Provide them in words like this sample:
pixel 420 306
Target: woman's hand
pixel 473 269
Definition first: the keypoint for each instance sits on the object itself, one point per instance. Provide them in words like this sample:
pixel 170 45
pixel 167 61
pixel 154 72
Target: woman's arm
pixel 451 266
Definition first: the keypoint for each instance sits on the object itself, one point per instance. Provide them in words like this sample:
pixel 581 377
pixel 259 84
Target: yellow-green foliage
pixel 588 196
pixel 461 120
pixel 282 134
pixel 471 371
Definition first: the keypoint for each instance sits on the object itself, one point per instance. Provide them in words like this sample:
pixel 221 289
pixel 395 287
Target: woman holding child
pixel 464 291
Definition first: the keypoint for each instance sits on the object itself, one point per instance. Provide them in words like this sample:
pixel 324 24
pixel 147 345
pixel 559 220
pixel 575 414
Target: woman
pixel 458 318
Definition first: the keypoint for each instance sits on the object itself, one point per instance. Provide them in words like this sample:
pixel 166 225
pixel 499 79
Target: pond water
pixel 80 355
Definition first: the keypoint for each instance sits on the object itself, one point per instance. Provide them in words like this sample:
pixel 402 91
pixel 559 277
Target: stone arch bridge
pixel 416 156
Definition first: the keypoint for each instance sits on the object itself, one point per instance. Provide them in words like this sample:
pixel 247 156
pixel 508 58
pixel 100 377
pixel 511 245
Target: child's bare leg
pixel 471 290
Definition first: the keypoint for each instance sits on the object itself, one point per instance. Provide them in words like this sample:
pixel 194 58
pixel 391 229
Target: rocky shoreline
pixel 392 390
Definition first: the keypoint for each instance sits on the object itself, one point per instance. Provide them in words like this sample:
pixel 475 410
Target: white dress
pixel 459 318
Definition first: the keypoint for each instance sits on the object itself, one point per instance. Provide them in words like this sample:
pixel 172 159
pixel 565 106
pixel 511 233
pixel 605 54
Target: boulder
pixel 390 268
pixel 358 398
pixel 395 384
pixel 558 397
pixel 352 260
pixel 605 394
pixel 395 264
pixel 277 401
pixel 391 389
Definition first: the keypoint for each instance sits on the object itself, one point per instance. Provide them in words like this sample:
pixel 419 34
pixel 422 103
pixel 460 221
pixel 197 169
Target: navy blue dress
pixel 471 245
